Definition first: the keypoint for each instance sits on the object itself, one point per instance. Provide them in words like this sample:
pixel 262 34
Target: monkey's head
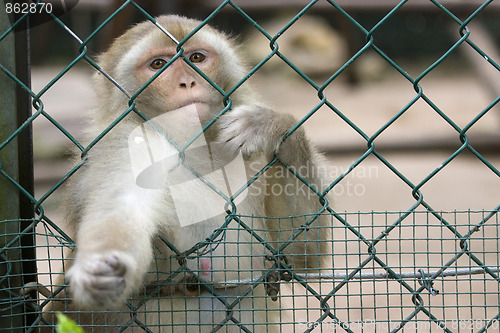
pixel 145 49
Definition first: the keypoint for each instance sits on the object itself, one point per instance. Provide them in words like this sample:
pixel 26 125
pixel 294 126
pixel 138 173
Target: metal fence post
pixel 17 264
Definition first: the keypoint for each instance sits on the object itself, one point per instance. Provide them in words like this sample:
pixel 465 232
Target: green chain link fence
pixel 421 269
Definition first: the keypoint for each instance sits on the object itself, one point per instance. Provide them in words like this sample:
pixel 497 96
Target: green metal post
pixel 16 161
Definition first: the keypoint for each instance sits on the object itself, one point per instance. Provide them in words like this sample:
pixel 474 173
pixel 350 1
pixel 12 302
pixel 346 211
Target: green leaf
pixel 66 325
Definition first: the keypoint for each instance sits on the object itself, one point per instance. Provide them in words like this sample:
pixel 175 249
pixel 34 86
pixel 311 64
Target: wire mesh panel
pixel 416 269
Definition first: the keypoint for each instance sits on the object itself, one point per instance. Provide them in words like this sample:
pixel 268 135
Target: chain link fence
pixel 419 269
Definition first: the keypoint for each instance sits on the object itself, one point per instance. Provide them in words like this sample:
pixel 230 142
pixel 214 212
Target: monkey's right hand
pixel 253 129
pixel 100 280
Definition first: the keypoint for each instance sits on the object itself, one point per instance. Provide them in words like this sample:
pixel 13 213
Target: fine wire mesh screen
pixel 419 267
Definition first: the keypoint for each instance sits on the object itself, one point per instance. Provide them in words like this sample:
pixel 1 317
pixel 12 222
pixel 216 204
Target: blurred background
pixel 369 92
pixel 372 91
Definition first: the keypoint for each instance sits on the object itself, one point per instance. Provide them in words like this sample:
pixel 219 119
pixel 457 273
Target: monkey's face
pixel 178 84
pixel 141 62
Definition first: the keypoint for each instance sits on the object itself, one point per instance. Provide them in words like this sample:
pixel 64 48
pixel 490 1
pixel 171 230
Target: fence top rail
pixel 356 4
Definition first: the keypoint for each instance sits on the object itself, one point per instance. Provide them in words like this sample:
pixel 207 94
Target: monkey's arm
pixel 113 221
pixel 256 130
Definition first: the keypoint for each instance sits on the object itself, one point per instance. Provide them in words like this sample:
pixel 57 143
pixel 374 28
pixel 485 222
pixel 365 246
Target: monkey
pixel 187 187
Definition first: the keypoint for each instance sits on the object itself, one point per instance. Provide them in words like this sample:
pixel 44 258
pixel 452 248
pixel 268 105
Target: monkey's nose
pixel 187 84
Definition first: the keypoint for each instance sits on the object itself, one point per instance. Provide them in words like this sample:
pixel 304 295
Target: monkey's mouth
pixel 195 102
pixel 201 107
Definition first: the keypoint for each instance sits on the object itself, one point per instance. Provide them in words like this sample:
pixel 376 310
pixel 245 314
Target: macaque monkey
pixel 151 207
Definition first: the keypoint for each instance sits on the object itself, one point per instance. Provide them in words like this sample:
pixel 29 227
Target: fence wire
pixel 421 269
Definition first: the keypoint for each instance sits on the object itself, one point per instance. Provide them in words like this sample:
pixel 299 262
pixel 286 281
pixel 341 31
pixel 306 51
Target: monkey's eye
pixel 197 57
pixel 157 64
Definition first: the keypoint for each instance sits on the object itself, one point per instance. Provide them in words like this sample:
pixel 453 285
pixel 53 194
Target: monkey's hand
pixel 100 280
pixel 253 129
